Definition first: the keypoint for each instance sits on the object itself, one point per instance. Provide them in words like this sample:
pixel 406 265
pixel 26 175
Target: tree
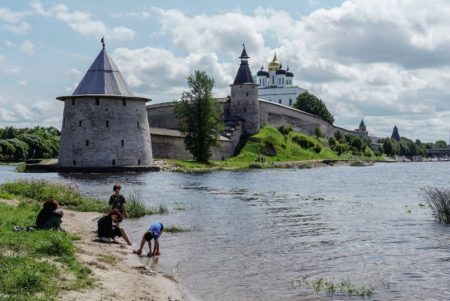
pixel 199 116
pixel 309 103
pixel 440 144
pixel 388 147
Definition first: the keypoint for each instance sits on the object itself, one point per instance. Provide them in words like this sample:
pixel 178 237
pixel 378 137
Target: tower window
pixel 74 162
pixel 138 125
pixel 80 123
pixel 290 102
pixel 124 102
pixel 97 101
pixel 279 101
pixel 107 123
pixel 245 110
pixel 123 143
pixel 87 142
pixel 73 101
pixel 247 94
pixel 113 162
pixel 139 161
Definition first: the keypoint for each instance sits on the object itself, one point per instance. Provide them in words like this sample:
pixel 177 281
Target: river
pixel 257 232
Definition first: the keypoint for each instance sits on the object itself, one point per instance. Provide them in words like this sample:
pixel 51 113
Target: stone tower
pixel 395 135
pixel 244 97
pixel 104 124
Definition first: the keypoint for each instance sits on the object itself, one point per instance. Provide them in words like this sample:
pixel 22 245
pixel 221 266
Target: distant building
pixel 362 128
pixel 395 135
pixel 277 85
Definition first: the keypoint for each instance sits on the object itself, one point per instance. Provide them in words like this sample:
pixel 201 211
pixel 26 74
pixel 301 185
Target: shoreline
pixel 119 274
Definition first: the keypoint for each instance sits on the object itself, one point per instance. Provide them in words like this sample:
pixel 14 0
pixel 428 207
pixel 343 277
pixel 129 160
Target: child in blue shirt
pixel 154 232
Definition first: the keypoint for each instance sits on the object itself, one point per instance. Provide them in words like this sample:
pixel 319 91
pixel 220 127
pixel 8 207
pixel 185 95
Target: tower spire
pixel 103 41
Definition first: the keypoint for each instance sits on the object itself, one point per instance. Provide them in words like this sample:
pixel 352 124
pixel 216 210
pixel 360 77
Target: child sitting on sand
pixel 50 216
pixel 154 232
pixel 107 231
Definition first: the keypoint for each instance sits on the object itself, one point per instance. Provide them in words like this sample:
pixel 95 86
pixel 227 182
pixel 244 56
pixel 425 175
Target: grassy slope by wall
pixel 270 146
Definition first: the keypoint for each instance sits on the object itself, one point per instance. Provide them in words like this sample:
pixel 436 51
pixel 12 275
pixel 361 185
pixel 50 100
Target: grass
pixel 176 229
pixel 69 196
pixel 268 147
pixel 439 201
pixel 137 208
pixel 36 265
pixel 343 287
pixel 66 194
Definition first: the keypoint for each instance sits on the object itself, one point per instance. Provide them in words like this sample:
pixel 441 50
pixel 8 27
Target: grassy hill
pixel 271 145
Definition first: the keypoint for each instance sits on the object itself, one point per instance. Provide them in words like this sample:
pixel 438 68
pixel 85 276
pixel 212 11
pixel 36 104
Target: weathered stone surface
pixel 105 131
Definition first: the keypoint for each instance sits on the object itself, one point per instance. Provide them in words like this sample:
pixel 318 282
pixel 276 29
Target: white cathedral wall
pixel 285 96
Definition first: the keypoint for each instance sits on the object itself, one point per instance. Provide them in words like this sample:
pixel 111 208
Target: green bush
pixel 285 130
pixel 331 141
pixel 303 141
pixel 317 148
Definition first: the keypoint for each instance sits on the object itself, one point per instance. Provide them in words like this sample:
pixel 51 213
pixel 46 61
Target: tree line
pixel 28 143
pixel 408 148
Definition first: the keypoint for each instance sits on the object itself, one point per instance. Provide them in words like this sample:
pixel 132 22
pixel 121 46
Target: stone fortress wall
pixel 171 145
pixel 96 132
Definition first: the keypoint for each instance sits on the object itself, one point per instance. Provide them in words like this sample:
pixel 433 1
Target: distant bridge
pixel 438 152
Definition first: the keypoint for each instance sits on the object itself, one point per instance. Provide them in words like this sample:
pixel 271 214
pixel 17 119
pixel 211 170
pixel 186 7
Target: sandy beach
pixel 119 274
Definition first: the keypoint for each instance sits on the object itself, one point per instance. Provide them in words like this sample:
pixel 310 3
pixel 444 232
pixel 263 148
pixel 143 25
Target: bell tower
pixel 244 97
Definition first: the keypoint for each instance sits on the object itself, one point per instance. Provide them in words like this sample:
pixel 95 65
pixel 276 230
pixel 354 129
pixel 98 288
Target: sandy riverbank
pixel 126 278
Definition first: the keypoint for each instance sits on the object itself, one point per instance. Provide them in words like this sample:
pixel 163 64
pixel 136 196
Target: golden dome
pixel 274 64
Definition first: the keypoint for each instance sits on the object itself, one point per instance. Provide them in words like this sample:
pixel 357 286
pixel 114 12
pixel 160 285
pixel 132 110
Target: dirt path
pixel 119 274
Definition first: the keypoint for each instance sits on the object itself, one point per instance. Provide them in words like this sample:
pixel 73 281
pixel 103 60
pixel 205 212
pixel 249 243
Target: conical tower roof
pixel 244 75
pixel 103 78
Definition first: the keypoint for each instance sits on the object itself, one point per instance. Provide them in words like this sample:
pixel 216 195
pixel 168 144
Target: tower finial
pixel 103 41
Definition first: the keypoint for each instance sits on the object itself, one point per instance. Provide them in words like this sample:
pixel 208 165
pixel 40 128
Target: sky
pixel 384 61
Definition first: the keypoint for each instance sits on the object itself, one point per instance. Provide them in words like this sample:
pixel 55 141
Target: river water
pixel 257 232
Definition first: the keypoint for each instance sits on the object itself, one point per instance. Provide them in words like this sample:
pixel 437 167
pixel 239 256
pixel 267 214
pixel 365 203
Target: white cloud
pixel 22 83
pixel 27 47
pixel 385 61
pixel 2 59
pixel 83 22
pixel 14 21
pixel 74 74
pixel 10 44
pixel 13 71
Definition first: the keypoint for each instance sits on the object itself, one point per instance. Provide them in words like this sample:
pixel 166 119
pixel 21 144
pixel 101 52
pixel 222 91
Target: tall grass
pixel 439 201
pixel 69 195
pixel 66 194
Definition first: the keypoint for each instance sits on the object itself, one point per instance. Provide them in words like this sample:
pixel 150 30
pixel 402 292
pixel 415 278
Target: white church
pixel 276 84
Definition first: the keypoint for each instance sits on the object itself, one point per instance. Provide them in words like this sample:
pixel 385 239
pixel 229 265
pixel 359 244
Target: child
pixel 154 232
pixel 107 231
pixel 50 216
pixel 117 201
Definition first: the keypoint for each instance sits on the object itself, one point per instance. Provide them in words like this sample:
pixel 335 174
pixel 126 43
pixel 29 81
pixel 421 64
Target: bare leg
pixel 142 244
pixel 156 248
pixel 149 248
pixel 125 236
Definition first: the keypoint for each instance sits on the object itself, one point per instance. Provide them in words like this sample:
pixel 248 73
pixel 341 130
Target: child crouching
pixel 154 232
